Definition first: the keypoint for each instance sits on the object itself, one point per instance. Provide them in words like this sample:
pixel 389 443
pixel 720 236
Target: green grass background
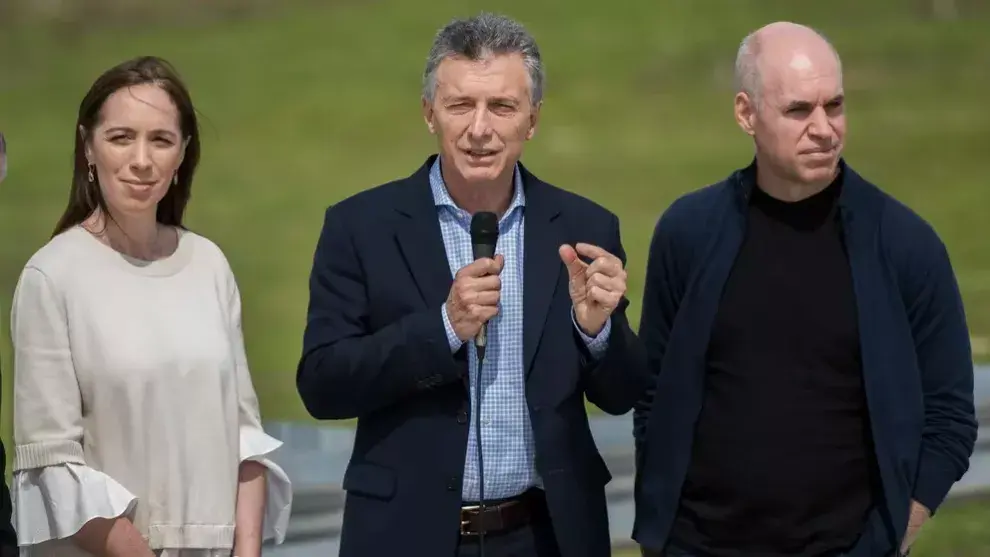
pixel 318 100
pixel 311 104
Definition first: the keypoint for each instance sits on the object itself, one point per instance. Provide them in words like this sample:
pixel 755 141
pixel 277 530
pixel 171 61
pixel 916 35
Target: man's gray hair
pixel 481 37
pixel 747 66
pixel 748 76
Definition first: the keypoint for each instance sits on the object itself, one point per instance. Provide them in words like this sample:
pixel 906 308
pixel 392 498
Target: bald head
pixel 782 48
pixel 791 102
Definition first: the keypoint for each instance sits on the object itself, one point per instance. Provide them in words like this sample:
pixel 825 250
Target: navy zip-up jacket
pixel 916 354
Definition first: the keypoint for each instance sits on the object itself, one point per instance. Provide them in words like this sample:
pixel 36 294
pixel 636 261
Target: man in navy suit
pixel 396 299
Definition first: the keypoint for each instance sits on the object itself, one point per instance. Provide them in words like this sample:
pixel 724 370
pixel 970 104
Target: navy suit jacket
pixel 375 349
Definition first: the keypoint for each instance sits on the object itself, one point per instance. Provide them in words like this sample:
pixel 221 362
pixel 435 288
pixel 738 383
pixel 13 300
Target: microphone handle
pixel 481 251
pixel 481 339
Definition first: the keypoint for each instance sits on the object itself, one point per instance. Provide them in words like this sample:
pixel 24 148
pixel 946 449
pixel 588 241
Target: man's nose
pixel 481 123
pixel 820 126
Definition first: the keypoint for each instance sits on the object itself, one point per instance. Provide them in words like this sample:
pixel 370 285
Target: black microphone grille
pixel 484 227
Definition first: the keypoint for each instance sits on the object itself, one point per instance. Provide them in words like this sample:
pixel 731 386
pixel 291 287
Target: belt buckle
pixel 466 522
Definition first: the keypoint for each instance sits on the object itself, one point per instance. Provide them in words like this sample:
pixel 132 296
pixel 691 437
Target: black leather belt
pixel 504 515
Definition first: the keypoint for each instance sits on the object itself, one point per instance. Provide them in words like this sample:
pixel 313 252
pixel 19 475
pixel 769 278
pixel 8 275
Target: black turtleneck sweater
pixel 782 461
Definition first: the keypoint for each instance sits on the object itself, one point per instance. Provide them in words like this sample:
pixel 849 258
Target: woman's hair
pixel 85 197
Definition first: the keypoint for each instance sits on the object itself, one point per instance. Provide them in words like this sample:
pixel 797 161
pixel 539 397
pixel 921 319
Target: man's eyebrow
pixel 800 104
pixel 504 99
pixel 797 104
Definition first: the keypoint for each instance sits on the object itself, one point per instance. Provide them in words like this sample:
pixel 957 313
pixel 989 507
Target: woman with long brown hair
pixel 136 425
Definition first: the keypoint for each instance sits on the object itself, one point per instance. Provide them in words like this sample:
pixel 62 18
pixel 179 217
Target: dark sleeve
pixel 8 538
pixel 348 370
pixel 662 294
pixel 945 358
pixel 617 379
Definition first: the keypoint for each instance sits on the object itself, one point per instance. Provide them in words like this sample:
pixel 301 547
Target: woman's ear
pixel 87 144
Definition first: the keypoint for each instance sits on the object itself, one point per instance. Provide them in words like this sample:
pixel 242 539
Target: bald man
pixel 813 391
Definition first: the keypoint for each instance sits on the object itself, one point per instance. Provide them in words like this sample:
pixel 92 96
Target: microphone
pixel 484 236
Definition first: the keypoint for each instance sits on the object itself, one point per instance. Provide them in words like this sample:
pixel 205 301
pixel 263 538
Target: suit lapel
pixel 542 266
pixel 420 240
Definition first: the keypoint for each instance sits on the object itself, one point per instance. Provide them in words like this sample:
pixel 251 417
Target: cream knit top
pixel 132 397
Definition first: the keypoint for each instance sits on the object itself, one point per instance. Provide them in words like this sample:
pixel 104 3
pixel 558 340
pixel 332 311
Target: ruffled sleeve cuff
pixel 54 502
pixel 257 445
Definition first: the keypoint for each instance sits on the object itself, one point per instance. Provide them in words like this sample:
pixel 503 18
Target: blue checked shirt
pixel 507 444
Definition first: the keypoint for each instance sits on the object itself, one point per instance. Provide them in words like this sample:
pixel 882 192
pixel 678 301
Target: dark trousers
pixel 532 540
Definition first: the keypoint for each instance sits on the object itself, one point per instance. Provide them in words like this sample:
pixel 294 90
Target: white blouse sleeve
pixel 257 445
pixel 54 492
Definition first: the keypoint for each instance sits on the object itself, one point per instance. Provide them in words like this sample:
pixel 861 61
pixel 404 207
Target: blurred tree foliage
pixel 71 18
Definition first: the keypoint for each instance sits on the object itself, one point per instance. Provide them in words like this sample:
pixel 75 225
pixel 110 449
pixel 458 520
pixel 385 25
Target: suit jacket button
pixel 452 484
pixel 462 417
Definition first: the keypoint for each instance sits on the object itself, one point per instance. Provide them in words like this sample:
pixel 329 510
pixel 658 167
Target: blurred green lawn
pixel 958 530
pixel 311 105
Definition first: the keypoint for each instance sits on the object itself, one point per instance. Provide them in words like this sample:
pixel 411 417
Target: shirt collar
pixel 441 197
